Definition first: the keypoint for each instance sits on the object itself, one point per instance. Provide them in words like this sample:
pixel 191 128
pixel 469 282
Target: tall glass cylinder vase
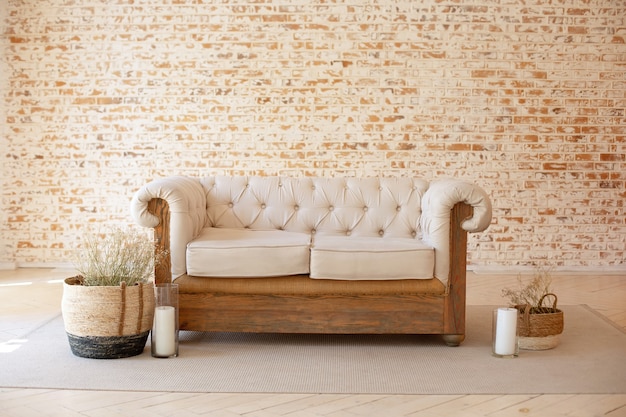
pixel 164 335
pixel 504 333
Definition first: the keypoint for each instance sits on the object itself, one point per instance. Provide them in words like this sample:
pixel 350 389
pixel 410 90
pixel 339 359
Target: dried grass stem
pixel 119 256
pixel 531 293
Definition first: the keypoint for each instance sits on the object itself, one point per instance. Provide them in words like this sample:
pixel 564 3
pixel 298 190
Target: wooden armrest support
pixel 162 271
pixel 455 303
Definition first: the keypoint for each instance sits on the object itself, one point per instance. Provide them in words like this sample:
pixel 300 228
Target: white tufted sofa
pixel 334 255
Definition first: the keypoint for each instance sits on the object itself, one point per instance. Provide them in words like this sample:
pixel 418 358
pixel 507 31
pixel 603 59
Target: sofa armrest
pixel 437 204
pixel 179 221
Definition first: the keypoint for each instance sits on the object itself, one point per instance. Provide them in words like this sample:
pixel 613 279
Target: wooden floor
pixel 30 296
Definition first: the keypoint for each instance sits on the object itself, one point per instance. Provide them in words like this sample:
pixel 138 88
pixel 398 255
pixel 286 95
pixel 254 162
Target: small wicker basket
pixel 539 328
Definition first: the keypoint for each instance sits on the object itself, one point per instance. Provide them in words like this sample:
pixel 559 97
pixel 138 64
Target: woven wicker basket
pixel 107 322
pixel 539 328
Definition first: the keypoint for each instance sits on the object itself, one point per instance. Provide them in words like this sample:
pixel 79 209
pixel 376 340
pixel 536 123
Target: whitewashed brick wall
pixel 525 97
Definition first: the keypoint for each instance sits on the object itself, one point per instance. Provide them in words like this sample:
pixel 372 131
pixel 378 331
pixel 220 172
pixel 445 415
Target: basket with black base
pixel 107 322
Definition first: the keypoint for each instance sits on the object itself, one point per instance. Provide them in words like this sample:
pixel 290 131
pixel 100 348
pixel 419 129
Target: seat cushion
pixel 225 252
pixel 371 258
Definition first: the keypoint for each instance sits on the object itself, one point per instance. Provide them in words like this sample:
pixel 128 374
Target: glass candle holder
pixel 164 335
pixel 504 333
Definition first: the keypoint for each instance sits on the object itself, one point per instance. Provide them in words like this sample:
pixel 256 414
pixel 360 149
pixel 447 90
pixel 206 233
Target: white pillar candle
pixel 506 331
pixel 164 331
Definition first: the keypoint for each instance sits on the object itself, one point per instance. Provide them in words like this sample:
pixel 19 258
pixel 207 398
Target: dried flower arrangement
pixel 539 326
pixel 531 293
pixel 119 256
pixel 108 309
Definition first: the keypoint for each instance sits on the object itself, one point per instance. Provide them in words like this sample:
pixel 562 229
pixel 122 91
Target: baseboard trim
pixel 36 265
pixel 477 269
pixel 570 270
pixel 7 266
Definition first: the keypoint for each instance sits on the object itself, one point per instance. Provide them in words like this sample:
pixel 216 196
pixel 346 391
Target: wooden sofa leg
pixel 453 339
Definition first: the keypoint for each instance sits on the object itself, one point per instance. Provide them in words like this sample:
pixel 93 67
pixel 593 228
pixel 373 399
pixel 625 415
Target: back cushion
pixel 383 207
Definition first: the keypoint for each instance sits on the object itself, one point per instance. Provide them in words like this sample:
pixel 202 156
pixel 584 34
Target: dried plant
pixel 531 292
pixel 118 256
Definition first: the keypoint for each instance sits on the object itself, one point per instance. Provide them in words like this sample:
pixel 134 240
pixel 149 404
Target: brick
pixel 527 100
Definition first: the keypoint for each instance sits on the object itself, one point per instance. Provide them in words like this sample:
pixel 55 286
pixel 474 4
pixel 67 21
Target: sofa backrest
pixel 387 207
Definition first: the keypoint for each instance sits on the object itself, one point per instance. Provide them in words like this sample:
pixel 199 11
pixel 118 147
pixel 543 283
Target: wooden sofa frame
pixel 441 314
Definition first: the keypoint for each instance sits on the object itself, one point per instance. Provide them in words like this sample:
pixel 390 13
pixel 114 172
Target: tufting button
pixel 348 232
pixel 381 232
pixel 263 206
pixel 313 231
pixel 398 208
pixel 365 208
pixel 296 207
pixel 414 233
pixel 230 205
pixel 331 208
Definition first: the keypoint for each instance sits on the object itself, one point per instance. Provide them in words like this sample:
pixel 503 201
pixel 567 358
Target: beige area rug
pixel 590 359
